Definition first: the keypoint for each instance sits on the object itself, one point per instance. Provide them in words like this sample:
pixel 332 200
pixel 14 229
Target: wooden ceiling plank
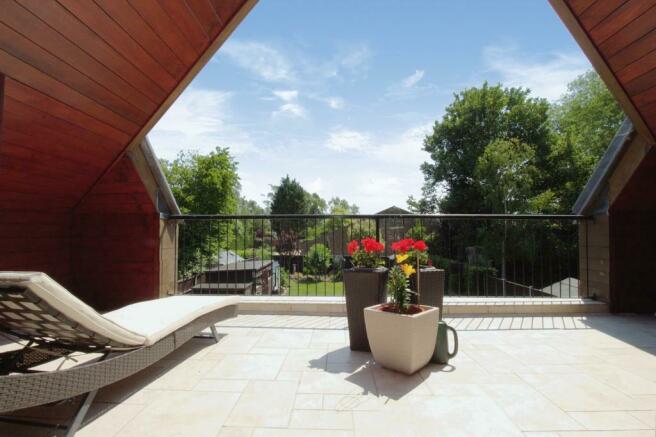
pixel 175 93
pixel 43 118
pixel 43 169
pixel 24 49
pixel 96 19
pixel 626 102
pixel 40 156
pixel 626 38
pixel 37 100
pixel 186 21
pixel 33 28
pixel 225 9
pixel 620 18
pixel 598 11
pixel 206 16
pixel 578 6
pixel 135 25
pixel 159 20
pixel 79 34
pixel 42 82
pixel 55 150
pixel 648 96
pixel 632 72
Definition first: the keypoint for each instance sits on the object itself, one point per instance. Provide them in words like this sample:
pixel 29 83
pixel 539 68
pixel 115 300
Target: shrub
pixel 318 260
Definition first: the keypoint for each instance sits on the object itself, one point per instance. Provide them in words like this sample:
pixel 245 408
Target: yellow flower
pixel 401 257
pixel 407 270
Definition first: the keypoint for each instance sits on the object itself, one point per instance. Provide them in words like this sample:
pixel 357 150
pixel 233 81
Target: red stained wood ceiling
pixel 624 34
pixel 84 79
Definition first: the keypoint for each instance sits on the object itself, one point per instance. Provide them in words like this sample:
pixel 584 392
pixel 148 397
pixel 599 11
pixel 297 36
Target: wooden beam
pixel 214 46
pixel 574 26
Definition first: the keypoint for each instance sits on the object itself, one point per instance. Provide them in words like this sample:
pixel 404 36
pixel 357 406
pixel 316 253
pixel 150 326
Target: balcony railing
pixel 304 255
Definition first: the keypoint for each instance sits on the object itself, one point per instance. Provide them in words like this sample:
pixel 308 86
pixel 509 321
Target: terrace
pixel 541 302
pixel 274 375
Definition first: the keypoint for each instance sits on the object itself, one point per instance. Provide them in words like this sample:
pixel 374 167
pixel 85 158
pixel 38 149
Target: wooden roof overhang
pixel 85 80
pixel 619 39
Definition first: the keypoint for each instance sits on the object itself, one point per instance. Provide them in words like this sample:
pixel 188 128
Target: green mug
pixel 442 354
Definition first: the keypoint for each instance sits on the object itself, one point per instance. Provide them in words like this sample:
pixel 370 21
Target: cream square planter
pixel 402 342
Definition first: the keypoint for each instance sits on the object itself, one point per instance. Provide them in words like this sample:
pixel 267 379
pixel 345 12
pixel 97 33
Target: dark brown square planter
pixel 362 288
pixel 431 285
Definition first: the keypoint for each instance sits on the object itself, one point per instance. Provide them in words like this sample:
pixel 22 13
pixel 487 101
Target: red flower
pixel 420 246
pixel 402 246
pixel 352 247
pixel 371 245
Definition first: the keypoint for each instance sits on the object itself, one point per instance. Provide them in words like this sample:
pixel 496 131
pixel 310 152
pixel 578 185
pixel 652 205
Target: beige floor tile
pixel 286 338
pixel 457 416
pixel 321 419
pixel 308 402
pixel 289 376
pixel 337 382
pixel 233 344
pixel 366 402
pixel 246 366
pixel 271 432
pixel 580 392
pixel 130 390
pixel 343 354
pixel 235 432
pixel 646 417
pixel 607 420
pixel 264 404
pixel 221 385
pixel 634 433
pixel 184 376
pixel 393 384
pixel 107 419
pixel 528 409
pixel 182 413
pixel 300 360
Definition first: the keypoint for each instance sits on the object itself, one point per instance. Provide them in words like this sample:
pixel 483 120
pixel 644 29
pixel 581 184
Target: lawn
pixel 306 287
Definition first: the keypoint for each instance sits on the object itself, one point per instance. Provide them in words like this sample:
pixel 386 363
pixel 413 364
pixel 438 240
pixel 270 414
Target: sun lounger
pixel 50 323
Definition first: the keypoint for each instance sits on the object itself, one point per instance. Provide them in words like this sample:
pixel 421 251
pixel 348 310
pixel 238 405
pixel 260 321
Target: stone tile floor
pixel 295 376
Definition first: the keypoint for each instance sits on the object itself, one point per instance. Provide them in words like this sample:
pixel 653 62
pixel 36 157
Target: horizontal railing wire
pixel 497 255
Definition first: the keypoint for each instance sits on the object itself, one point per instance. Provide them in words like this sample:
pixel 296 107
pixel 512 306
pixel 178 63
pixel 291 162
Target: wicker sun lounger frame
pixel 51 335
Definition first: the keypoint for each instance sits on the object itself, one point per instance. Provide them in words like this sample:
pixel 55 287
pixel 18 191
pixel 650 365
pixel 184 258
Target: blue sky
pixel 340 94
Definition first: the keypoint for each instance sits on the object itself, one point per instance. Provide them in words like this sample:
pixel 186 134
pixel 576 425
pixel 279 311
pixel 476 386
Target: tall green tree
pixel 288 198
pixel 338 206
pixel 584 121
pixel 476 118
pixel 204 184
pixel 315 204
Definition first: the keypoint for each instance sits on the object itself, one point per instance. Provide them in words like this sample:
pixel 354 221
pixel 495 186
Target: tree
pixel 315 204
pixel 204 184
pixel 288 198
pixel 584 121
pixel 505 172
pixel 476 118
pixel 249 207
pixel 338 206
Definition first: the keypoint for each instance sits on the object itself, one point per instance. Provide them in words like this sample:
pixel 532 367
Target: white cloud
pixel 290 106
pixel 356 57
pixel 335 102
pixel 199 120
pixel 413 79
pixel 286 95
pixel 546 78
pixel 347 140
pixel 293 110
pixel 260 59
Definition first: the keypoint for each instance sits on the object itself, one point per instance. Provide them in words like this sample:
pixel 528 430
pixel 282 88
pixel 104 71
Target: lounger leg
pixel 215 333
pixel 81 413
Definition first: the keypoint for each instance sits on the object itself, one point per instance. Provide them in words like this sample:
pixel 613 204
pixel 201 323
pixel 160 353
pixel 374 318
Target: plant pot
pixel 402 342
pixel 431 285
pixel 362 288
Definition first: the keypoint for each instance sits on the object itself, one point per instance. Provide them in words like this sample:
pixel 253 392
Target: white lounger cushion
pixel 139 324
pixel 157 318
